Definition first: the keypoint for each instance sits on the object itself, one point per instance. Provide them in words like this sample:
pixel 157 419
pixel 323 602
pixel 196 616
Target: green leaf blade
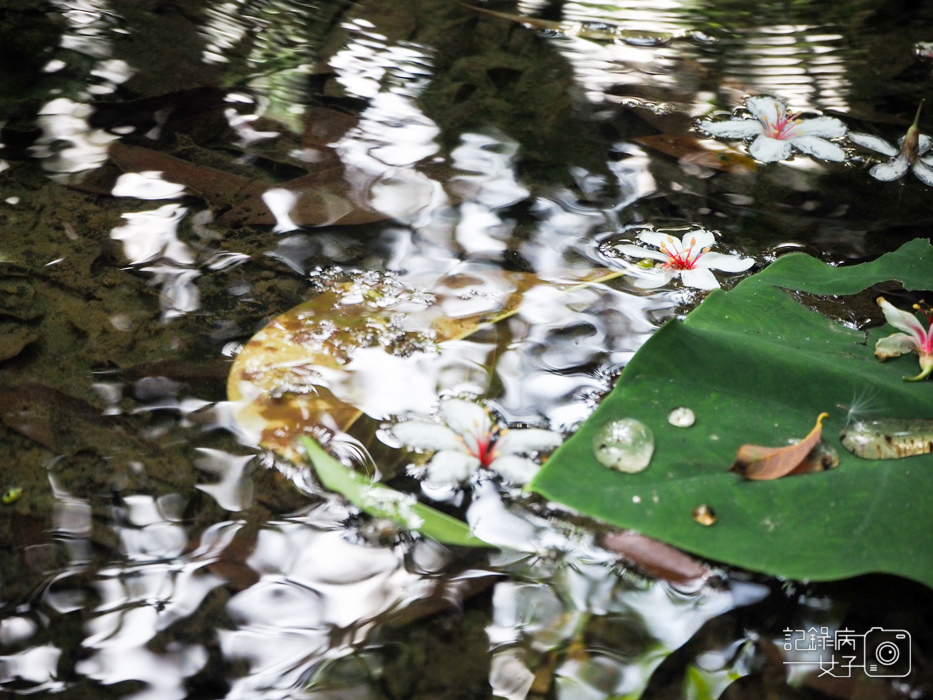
pixel 381 501
pixel 756 367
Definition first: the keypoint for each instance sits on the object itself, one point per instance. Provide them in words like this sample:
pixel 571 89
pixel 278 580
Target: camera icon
pixel 887 653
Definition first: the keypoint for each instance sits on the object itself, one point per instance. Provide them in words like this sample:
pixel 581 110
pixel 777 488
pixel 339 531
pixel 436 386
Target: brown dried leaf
pixel 655 557
pixel 765 463
pixel 702 152
pixel 324 197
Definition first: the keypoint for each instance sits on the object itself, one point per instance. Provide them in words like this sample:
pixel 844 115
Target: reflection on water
pixel 442 164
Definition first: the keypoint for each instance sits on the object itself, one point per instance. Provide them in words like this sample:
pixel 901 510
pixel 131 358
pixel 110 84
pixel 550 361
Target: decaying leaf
pixel 321 198
pixel 655 557
pixel 322 362
pixel 702 152
pixel 765 463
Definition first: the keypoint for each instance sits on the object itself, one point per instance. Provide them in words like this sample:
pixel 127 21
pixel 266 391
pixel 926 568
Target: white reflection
pixel 163 674
pixel 224 29
pixel 234 491
pixel 178 293
pixel 68 144
pixel 149 235
pixel 489 161
pixel 148 184
pixel 37 666
pixel 281 202
pixel 318 595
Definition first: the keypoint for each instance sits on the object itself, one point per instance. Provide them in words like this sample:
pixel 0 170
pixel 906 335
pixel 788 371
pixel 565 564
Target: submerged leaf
pixel 322 198
pixel 381 501
pixel 366 344
pixel 655 557
pixel 765 463
pixel 702 152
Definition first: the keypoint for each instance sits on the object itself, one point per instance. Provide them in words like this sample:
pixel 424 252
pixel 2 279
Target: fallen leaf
pixel 765 463
pixel 323 198
pixel 304 369
pixel 703 152
pixel 655 557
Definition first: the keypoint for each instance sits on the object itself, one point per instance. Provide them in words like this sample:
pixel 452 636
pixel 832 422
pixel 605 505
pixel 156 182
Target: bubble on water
pixel 625 444
pixel 682 417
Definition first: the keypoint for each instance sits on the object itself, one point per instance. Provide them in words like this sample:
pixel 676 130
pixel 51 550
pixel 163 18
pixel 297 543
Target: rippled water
pixel 176 174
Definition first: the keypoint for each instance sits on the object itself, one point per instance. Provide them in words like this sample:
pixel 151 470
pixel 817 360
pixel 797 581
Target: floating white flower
pixel 778 132
pixel 910 154
pixel 470 441
pixel 689 258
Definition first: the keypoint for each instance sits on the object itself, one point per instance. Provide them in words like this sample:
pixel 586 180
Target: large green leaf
pixel 758 367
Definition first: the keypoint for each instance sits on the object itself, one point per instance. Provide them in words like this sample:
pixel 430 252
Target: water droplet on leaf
pixel 625 444
pixel 704 515
pixel 890 438
pixel 681 417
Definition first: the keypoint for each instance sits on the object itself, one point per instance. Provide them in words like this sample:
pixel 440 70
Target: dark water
pixel 156 552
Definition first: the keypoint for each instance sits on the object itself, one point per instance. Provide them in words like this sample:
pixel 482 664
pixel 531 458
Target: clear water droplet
pixel 682 417
pixel 625 444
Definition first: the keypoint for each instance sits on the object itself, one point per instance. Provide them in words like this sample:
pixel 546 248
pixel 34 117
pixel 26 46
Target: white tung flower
pixel 777 132
pixel 689 258
pixel 911 154
pixel 470 441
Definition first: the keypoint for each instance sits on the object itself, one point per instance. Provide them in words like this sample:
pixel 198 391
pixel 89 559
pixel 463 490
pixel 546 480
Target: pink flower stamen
pixel 681 259
pixel 483 447
pixel 782 128
pixel 925 342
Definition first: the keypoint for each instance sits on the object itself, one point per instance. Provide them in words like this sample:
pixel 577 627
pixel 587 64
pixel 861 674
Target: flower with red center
pixel 778 132
pixel 469 441
pixel 688 257
pixel 915 337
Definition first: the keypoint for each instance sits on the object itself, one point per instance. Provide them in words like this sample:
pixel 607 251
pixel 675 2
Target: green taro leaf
pixel 758 367
pixel 381 501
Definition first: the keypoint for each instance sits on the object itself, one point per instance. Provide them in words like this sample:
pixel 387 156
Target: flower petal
pixel 658 238
pixel 827 127
pixel 923 143
pixel 923 171
pixel 701 239
pixel 726 263
pixel 639 252
pixel 421 435
pixel 701 278
pixel 902 320
pixel 765 109
pixel 817 147
pixel 466 418
pixel 515 469
pixel 872 143
pixel 450 467
pixel 523 441
pixel 732 129
pixel 769 150
pixel 652 279
pixel 894 346
pixel 892 170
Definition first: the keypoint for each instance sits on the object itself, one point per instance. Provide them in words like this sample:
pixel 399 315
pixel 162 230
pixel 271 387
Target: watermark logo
pixel 879 652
